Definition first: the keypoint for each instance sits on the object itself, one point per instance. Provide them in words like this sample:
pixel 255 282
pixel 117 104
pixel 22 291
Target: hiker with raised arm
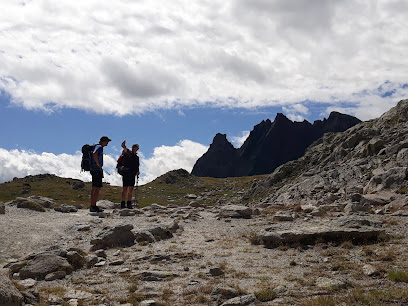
pixel 128 167
pixel 97 172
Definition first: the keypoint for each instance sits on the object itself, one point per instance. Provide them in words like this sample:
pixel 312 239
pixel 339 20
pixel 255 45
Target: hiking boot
pixel 95 209
pixel 129 205
pixel 122 205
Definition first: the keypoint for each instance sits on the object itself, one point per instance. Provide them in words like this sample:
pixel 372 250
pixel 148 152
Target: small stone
pixel 370 270
pixel 216 272
pixel 55 275
pixel 100 253
pixel 148 303
pixel 117 262
pixel 27 283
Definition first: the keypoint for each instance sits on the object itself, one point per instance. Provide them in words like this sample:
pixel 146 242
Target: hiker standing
pixel 97 172
pixel 129 164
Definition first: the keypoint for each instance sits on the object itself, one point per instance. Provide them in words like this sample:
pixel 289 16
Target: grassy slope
pixel 158 191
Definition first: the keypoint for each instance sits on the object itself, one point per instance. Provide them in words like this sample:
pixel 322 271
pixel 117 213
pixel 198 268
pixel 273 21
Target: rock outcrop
pixel 9 295
pixel 269 145
pixel 365 165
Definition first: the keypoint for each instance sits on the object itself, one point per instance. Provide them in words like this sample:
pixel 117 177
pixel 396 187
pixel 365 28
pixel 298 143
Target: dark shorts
pixel 128 180
pixel 97 178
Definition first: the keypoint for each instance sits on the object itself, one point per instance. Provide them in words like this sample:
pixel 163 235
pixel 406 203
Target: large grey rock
pixel 76 259
pixel 222 293
pixel 387 179
pixel 43 264
pixel 119 236
pixel 156 232
pixel 9 295
pixel 351 208
pixel 329 232
pixel 235 211
pixel 34 202
pixel 2 209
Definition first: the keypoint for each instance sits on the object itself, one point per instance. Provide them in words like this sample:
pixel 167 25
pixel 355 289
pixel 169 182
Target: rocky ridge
pixel 269 145
pixel 365 166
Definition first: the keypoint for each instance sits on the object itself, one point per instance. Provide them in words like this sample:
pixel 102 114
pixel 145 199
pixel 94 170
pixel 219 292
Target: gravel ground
pixel 202 244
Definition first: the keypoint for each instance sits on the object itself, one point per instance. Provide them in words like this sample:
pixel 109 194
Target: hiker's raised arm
pixel 124 146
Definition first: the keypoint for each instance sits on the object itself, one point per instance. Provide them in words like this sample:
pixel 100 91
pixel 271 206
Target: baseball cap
pixel 105 138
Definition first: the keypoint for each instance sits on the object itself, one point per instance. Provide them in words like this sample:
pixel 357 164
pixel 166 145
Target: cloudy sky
pixel 171 74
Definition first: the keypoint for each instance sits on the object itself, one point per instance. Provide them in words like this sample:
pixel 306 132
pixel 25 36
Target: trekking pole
pixel 135 198
pixel 106 172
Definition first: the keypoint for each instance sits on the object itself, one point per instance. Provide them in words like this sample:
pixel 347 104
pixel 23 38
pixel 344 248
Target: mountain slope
pixel 365 164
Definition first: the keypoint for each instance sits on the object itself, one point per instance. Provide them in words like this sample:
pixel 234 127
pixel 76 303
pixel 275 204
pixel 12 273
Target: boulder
pixel 34 202
pixel 370 270
pixel 119 236
pixel 216 272
pixel 283 216
pixel 76 259
pixel 381 198
pixel 156 233
pixel 329 232
pixel 386 179
pixel 43 264
pixel 106 204
pixel 356 207
pixel 9 295
pixel 221 293
pixel 373 147
pixel 2 209
pixel 235 211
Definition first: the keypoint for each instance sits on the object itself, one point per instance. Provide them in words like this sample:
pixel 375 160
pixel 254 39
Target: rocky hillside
pixel 269 145
pixel 366 165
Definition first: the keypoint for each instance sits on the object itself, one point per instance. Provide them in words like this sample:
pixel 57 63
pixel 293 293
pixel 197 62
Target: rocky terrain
pixel 269 145
pixel 327 229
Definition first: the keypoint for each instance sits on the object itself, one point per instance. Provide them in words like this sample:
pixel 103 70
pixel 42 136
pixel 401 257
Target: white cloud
pixel 20 163
pixel 295 112
pixel 167 158
pixel 238 141
pixel 128 57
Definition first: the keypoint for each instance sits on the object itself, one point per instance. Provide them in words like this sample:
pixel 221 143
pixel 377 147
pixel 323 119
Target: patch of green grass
pixel 265 295
pixel 254 239
pixel 159 191
pixel 394 296
pixel 398 276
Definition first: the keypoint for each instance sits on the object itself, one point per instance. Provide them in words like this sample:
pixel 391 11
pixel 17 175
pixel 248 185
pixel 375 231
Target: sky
pixel 169 75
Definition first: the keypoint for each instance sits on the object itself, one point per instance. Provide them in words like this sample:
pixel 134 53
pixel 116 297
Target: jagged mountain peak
pixel 220 141
pixel 268 145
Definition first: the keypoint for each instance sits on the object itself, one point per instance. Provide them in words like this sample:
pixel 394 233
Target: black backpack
pixel 122 170
pixel 87 151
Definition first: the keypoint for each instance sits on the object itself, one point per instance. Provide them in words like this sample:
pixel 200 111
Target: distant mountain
pixel 269 145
